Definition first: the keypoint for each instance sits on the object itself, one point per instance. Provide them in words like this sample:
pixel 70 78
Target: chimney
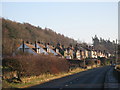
pixel 104 51
pixel 23 46
pixel 45 45
pixel 27 42
pixel 35 45
pixel 87 46
pixel 39 42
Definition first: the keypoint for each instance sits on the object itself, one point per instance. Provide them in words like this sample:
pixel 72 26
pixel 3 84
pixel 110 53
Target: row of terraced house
pixel 78 52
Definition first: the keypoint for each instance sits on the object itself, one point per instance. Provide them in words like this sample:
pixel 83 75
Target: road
pixel 93 78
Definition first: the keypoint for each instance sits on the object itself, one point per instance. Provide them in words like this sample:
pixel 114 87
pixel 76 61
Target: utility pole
pixel 116 52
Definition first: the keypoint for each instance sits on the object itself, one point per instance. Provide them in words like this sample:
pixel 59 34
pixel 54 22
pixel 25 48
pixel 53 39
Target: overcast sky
pixel 77 20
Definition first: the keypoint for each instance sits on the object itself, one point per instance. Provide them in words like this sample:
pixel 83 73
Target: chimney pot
pixel 27 42
pixel 39 42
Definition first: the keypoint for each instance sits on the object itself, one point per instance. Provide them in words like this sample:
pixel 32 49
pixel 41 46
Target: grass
pixel 35 80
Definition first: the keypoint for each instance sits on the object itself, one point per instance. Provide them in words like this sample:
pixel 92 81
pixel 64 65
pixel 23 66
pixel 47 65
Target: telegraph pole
pixel 116 52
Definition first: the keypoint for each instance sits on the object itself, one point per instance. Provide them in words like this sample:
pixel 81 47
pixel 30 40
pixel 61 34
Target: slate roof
pixel 32 47
pixel 41 45
pixel 29 45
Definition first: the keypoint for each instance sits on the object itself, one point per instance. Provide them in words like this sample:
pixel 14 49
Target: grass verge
pixel 35 80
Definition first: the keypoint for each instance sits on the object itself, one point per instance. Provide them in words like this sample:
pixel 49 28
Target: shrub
pixel 36 64
pixel 103 61
pixel 90 62
pixel 10 64
pixel 11 68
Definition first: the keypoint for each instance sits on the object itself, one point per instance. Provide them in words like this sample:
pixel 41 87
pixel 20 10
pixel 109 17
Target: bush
pixel 36 64
pixel 10 64
pixel 103 61
pixel 90 62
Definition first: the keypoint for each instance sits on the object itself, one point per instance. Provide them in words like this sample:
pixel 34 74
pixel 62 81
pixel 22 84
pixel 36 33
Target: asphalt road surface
pixel 93 78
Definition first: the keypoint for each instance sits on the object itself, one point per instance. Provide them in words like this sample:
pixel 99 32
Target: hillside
pixel 14 32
